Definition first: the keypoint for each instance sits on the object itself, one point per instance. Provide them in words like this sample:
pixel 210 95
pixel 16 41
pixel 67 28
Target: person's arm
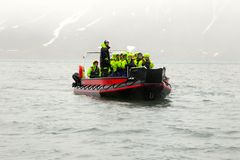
pixel 135 62
pixel 151 64
pixel 89 72
pixel 124 63
pixel 102 54
pixel 140 64
pixel 99 74
pixel 108 56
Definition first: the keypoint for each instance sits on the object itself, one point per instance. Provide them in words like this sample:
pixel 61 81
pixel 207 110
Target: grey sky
pixel 171 30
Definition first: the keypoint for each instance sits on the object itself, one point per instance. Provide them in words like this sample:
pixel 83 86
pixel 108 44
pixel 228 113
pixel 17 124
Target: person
pixel 134 55
pixel 119 65
pixel 147 62
pixel 113 64
pixel 124 65
pixel 130 61
pixel 139 60
pixel 105 58
pixel 94 71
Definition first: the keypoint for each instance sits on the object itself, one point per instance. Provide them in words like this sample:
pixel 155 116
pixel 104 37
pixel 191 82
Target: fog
pixel 170 30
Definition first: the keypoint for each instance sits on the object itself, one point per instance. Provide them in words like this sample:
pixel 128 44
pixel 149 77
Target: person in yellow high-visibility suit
pixel 147 62
pixel 139 60
pixel 94 71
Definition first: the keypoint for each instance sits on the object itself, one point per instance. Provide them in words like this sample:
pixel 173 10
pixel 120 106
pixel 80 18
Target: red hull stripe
pixel 80 91
pixel 105 91
pixel 122 88
pixel 103 81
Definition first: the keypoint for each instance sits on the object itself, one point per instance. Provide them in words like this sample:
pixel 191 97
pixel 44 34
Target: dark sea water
pixel 41 118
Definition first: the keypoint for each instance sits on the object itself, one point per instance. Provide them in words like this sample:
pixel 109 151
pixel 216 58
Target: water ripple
pixel 41 118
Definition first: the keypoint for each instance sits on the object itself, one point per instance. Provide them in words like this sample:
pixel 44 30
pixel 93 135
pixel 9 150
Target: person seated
pixel 130 61
pixel 121 65
pixel 139 60
pixel 147 62
pixel 134 55
pixel 113 63
pixel 124 65
pixel 118 66
pixel 112 60
pixel 94 71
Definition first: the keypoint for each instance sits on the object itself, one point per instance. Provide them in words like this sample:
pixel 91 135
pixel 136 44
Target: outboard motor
pixel 154 75
pixel 78 76
pixel 77 80
pixel 147 75
pixel 138 73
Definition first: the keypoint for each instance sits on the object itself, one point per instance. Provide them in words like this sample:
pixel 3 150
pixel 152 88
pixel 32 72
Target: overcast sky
pixel 171 30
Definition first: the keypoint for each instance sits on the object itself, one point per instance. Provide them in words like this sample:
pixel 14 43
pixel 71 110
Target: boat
pixel 140 83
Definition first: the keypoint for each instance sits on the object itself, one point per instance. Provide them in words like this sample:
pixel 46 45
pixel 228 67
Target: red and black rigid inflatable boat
pixel 141 83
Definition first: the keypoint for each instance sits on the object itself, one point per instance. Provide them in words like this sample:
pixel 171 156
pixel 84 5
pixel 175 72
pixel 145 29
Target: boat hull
pixel 144 84
pixel 138 90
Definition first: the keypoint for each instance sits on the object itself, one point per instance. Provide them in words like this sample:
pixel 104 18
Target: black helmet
pixel 106 41
pixel 95 62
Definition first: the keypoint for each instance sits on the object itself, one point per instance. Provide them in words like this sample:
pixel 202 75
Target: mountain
pixel 170 30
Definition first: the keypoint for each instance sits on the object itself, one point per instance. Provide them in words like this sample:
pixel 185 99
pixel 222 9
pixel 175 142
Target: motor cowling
pixel 78 76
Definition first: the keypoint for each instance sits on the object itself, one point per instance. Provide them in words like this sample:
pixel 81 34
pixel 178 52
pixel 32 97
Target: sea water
pixel 41 118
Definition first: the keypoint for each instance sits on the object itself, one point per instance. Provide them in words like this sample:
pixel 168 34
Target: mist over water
pixel 41 118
